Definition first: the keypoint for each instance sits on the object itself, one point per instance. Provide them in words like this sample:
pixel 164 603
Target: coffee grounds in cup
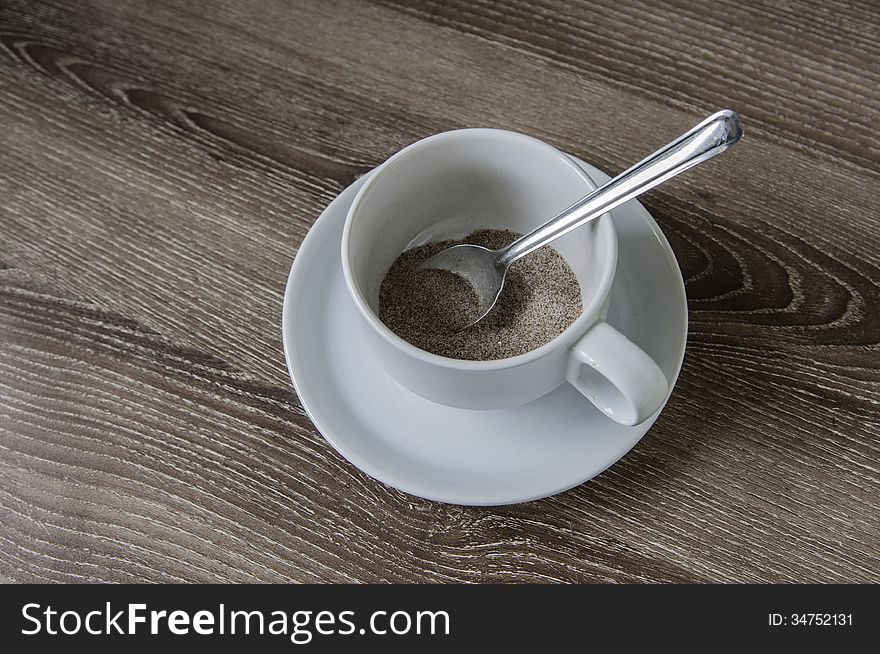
pixel 540 299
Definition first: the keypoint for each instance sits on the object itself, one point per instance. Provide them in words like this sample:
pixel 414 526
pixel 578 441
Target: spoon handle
pixel 713 136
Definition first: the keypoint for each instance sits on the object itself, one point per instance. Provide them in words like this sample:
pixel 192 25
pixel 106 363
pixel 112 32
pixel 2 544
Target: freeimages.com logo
pixel 299 626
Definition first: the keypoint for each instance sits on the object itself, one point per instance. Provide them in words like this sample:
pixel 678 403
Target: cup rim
pixel 588 316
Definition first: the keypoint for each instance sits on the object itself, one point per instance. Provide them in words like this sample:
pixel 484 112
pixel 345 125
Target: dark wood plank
pixel 160 163
pixel 803 73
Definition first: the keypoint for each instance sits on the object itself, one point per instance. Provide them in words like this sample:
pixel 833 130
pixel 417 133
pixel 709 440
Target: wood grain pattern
pixel 161 162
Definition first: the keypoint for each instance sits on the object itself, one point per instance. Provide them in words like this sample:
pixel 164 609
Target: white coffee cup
pixel 450 184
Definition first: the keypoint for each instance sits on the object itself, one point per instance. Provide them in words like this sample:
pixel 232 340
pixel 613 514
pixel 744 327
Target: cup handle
pixel 616 375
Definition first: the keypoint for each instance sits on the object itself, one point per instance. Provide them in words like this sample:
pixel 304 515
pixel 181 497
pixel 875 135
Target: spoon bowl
pixel 479 267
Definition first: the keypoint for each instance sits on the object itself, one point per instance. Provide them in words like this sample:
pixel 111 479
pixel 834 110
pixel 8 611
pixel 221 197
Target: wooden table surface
pixel 161 162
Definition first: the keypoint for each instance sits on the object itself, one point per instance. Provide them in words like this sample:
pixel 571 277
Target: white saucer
pixel 454 455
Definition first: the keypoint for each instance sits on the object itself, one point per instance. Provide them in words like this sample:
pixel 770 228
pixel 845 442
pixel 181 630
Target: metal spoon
pixel 485 269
